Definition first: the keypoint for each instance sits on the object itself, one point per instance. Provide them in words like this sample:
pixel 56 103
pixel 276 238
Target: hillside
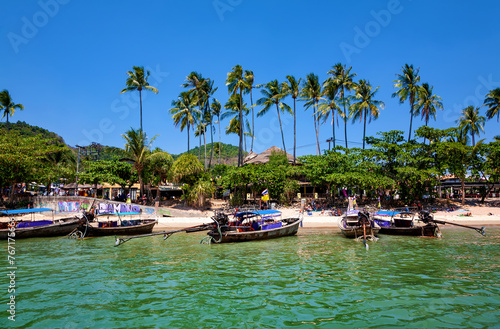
pixel 229 153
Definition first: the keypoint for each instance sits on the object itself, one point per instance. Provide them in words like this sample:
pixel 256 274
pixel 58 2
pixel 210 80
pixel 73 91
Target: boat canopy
pixel 386 213
pixel 117 213
pixel 268 213
pixel 24 211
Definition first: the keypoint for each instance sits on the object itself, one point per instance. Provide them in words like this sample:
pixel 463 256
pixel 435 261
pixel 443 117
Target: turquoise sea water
pixel 318 279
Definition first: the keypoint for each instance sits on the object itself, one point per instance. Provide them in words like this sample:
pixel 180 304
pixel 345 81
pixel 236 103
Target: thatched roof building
pixel 264 156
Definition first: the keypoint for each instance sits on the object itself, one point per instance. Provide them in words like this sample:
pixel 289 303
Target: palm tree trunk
pixel 188 136
pixel 140 105
pixel 316 129
pixel 218 119
pixel 281 128
pixel 473 141
pixel 294 131
pixel 240 150
pixel 212 142
pixel 333 128
pixel 364 130
pixel 205 145
pixel 253 121
pixel 345 117
pixel 411 120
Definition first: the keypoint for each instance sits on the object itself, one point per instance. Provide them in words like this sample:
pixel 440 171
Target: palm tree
pixel 273 93
pixel 311 94
pixel 342 76
pixel 233 112
pixel 208 91
pixel 8 106
pixel 137 80
pixel 427 103
pixel 249 79
pixel 407 82
pixel 364 104
pixel 471 121
pixel 492 101
pixel 236 83
pixel 329 104
pixel 292 88
pixel 216 110
pixel 139 148
pixel 184 112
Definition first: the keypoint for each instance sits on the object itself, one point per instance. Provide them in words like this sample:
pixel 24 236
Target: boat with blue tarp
pixel 250 225
pixel 397 222
pixel 21 227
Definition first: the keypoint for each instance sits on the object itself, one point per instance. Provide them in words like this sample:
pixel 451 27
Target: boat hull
pixel 356 231
pixel 60 228
pixel 426 230
pixel 144 228
pixel 234 236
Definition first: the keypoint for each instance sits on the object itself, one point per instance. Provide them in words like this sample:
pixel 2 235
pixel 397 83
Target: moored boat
pixel 358 224
pixel 404 223
pixel 22 229
pixel 253 225
pixel 116 224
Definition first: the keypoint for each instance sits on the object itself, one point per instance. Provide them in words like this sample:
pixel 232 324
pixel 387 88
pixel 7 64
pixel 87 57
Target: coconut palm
pixel 272 94
pixel 8 106
pixel 329 104
pixel 292 88
pixel 427 103
pixel 311 94
pixel 249 79
pixel 138 80
pixel 184 112
pixel 342 76
pixel 216 110
pixel 208 91
pixel 471 121
pixel 236 84
pixel 492 101
pixel 138 146
pixel 232 107
pixel 407 82
pixel 364 105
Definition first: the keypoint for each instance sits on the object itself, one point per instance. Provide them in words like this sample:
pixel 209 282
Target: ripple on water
pixel 309 280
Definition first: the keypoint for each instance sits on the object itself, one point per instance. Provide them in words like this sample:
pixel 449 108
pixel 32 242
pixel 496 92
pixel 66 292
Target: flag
pixel 265 195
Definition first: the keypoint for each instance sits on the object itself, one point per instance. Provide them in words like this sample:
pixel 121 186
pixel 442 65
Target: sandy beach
pixel 480 215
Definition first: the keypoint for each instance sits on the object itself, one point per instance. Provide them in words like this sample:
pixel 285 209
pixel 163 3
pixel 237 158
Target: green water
pixel 318 279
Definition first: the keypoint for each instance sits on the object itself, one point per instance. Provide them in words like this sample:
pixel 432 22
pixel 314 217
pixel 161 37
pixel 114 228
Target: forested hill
pixel 28 130
pixel 229 153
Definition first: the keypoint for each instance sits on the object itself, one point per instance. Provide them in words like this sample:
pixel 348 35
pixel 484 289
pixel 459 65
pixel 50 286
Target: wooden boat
pixel 253 225
pixel 358 224
pixel 404 223
pixel 116 224
pixel 22 229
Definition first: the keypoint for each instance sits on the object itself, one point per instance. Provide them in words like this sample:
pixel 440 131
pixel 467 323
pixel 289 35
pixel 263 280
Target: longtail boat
pixel 116 224
pixel 356 224
pixel 22 229
pixel 404 223
pixel 248 225
pixel 254 225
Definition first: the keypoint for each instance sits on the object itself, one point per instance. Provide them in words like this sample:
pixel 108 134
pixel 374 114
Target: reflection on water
pixel 315 279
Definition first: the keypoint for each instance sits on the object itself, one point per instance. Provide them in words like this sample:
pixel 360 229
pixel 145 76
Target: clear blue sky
pixel 66 60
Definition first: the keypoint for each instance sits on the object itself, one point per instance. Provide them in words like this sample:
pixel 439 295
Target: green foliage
pixel 24 129
pixel 108 171
pixel 187 169
pixel 23 159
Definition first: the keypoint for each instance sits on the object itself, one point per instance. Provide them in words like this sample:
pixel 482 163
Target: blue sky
pixel 66 60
